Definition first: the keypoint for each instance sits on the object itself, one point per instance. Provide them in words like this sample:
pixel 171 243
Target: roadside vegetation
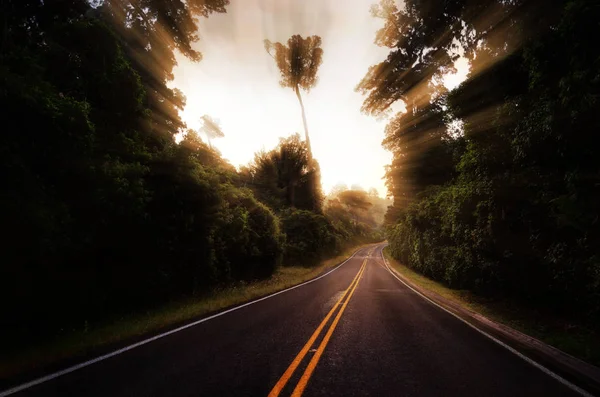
pixel 496 182
pixel 81 342
pixel 106 214
pixel 560 331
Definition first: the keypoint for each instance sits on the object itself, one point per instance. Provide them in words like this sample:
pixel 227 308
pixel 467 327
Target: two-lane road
pixel 353 332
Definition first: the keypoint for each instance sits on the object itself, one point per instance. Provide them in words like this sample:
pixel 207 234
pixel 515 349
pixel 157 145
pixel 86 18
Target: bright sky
pixel 237 83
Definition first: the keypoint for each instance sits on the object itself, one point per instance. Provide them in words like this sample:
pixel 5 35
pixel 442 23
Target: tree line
pixel 104 213
pixel 495 183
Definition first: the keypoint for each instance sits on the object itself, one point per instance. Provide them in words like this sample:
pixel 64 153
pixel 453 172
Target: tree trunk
pixel 297 89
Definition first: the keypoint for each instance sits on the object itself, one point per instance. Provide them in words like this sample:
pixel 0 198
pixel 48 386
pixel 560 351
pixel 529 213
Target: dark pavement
pixel 388 341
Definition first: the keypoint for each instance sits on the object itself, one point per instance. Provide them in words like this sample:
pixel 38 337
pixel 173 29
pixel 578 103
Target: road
pixel 356 331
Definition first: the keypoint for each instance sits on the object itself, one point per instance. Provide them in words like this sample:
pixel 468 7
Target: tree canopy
pixel 298 63
pixel 505 205
pixel 108 215
pixel 285 176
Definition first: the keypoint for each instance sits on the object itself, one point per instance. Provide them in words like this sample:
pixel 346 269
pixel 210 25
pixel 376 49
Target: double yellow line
pixel 343 301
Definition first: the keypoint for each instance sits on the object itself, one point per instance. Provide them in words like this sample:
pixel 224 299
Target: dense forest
pixel 496 183
pixel 104 212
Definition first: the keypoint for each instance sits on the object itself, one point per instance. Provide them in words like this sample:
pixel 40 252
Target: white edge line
pixel 512 350
pixel 73 368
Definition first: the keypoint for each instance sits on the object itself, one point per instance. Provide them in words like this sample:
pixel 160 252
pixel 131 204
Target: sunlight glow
pixel 237 82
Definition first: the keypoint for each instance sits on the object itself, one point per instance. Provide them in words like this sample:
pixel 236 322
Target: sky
pixel 237 83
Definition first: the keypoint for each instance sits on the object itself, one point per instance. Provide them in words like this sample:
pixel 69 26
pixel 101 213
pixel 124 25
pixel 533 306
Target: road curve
pixel 357 331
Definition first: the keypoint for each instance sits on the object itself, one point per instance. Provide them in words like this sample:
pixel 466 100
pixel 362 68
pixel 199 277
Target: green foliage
pixel 286 177
pixel 247 242
pixel 515 213
pixel 289 182
pixel 353 204
pixel 107 214
pixel 309 237
pixel 355 214
pixel 355 200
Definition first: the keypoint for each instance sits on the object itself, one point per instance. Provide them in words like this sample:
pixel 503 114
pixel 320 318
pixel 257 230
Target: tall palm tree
pixel 298 63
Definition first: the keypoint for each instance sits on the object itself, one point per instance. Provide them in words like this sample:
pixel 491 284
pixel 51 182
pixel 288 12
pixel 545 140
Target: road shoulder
pixel 84 346
pixel 570 368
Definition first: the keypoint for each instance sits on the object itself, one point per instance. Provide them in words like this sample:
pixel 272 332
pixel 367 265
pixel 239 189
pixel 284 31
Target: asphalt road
pixel 379 339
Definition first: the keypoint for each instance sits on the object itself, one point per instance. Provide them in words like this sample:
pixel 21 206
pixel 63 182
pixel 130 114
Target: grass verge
pixel 568 335
pixel 80 343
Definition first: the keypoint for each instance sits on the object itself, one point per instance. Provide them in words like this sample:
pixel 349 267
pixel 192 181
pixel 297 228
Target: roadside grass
pixel 570 336
pixel 83 342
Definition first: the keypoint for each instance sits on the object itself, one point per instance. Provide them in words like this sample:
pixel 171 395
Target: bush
pixel 309 237
pixel 247 240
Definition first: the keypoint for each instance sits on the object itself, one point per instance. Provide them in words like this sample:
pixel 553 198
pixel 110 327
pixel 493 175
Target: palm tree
pixel 298 63
pixel 286 172
pixel 211 129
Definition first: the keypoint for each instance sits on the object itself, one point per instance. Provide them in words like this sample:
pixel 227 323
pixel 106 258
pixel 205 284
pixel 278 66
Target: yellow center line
pixel 298 359
pixel 315 360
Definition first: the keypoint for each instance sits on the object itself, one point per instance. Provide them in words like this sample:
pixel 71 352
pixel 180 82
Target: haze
pixel 237 83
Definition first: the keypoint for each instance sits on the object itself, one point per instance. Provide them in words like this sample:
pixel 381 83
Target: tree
pixel 298 63
pixel 337 189
pixel 509 208
pixel 211 129
pixel 151 32
pixel 123 218
pixel 425 38
pixel 285 174
pixel 357 203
